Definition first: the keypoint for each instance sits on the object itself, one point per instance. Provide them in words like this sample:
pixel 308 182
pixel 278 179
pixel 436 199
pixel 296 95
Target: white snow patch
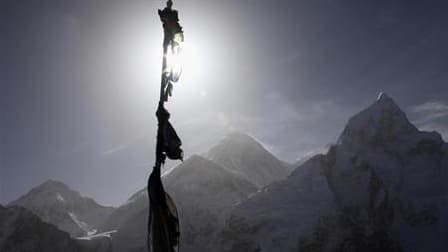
pixel 380 95
pixel 92 232
pixel 89 237
pixel 60 198
pixel 84 226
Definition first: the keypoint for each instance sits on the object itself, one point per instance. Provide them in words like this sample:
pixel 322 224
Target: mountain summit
pixel 242 154
pixel 383 122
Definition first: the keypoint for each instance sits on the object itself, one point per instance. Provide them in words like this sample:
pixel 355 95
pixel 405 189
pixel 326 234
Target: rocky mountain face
pixel 204 193
pixel 272 219
pixel 23 231
pixel 382 187
pixel 390 178
pixel 56 203
pixel 242 154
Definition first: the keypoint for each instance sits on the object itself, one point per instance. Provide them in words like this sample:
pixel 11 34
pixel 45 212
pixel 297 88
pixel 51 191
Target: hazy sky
pixel 80 78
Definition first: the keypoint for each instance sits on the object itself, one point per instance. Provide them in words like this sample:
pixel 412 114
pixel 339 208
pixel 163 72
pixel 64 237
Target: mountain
pixel 203 191
pixel 390 177
pixel 382 187
pixel 56 203
pixel 21 230
pixel 242 154
pixel 273 219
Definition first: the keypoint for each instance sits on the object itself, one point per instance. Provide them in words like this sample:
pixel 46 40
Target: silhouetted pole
pixel 163 224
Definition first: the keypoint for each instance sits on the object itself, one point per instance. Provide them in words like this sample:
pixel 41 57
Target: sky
pixel 79 81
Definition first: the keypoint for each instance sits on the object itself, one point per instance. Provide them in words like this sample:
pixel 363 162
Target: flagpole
pixel 163 222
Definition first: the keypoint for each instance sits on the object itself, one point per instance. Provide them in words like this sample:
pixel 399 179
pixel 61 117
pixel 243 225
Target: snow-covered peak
pixel 382 122
pixel 51 189
pixel 384 97
pixel 242 154
pixel 385 102
pixel 51 192
pixel 238 141
pixel 54 184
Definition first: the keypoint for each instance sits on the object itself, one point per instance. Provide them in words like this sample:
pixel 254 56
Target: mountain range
pixel 204 191
pixel 381 187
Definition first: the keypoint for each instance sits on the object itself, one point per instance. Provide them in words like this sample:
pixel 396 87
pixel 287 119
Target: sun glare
pixel 141 58
pixel 193 69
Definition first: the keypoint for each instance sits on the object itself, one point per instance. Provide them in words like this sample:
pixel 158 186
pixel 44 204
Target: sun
pixel 194 70
pixel 140 56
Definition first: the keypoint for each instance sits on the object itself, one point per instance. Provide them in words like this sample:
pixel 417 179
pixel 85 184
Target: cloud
pixel 431 111
pixel 430 116
pixel 113 150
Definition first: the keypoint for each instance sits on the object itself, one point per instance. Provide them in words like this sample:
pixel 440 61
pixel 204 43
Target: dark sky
pixel 79 80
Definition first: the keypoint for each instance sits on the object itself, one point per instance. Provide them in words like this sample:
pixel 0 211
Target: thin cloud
pixel 113 150
pixel 431 116
pixel 430 111
pixel 431 106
